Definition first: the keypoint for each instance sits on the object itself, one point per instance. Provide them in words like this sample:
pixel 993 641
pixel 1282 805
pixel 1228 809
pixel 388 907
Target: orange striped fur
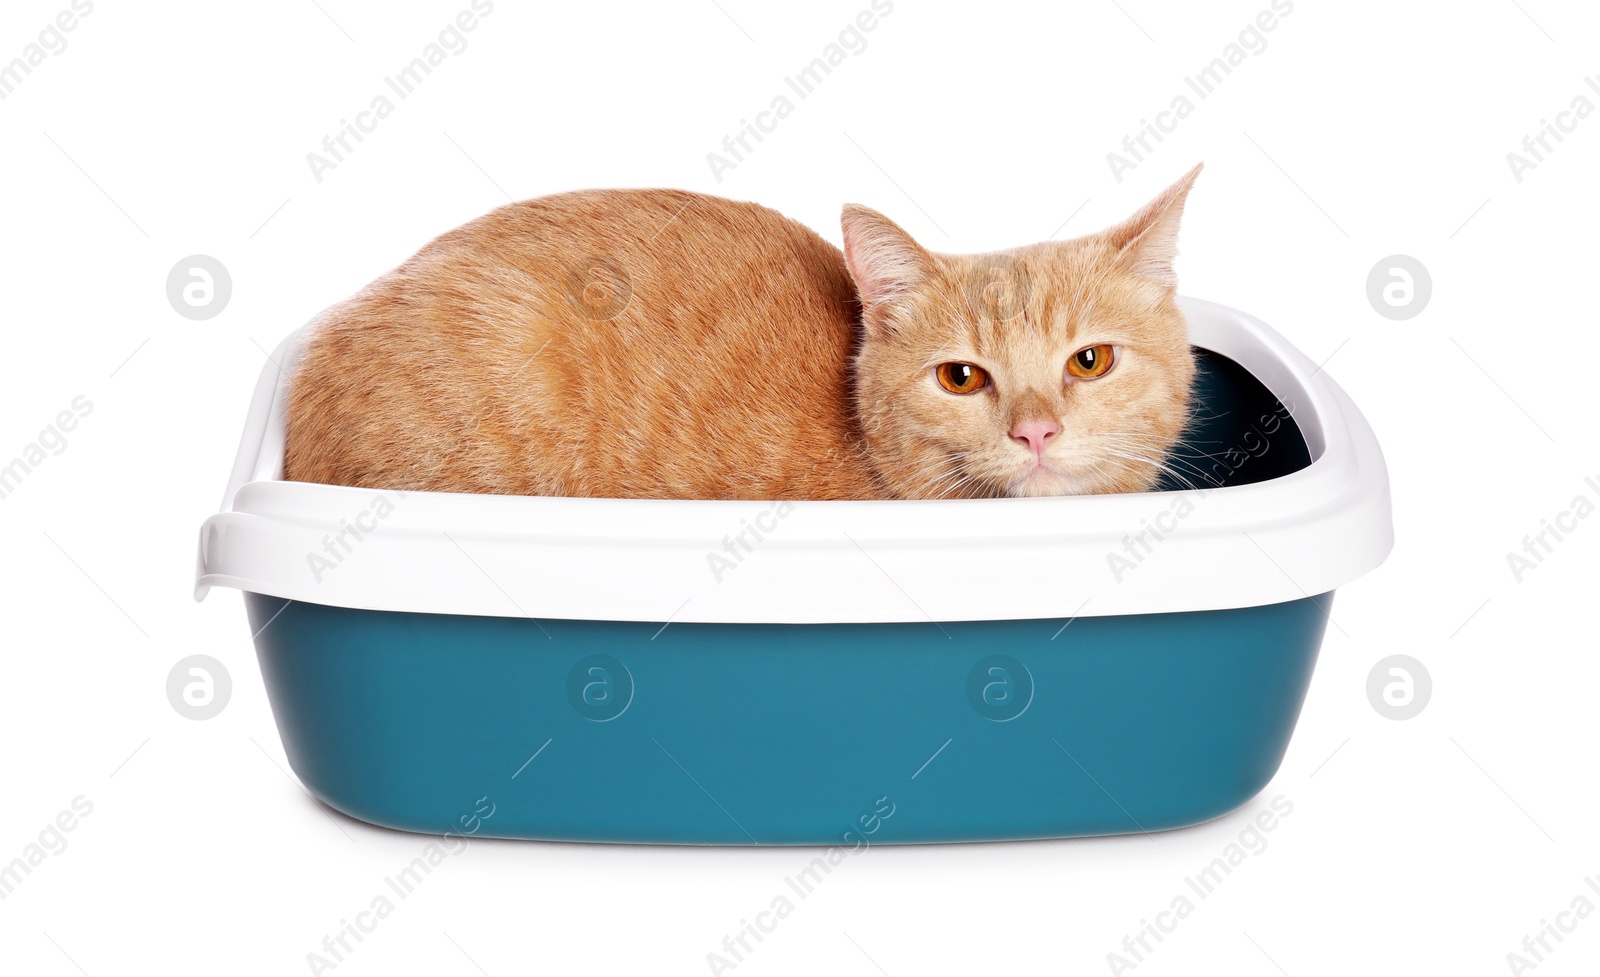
pixel 665 344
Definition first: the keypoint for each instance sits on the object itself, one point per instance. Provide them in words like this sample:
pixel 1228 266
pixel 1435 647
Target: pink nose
pixel 1035 435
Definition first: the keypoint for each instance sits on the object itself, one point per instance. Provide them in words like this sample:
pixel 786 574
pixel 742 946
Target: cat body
pixel 673 345
pixel 610 343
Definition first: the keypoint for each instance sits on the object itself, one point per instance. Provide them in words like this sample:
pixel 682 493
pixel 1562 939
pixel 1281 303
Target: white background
pixel 1431 845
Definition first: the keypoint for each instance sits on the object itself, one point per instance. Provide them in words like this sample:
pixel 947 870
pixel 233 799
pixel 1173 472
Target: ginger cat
pixel 672 345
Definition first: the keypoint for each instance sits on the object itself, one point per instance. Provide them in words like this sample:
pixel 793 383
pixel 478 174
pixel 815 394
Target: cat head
pixel 1060 368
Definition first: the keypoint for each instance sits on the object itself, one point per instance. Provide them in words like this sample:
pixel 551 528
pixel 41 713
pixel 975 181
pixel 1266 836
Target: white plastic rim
pixel 1300 535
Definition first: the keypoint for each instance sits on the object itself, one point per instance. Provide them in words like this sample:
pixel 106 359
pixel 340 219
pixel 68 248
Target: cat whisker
pixel 1180 469
pixel 939 472
pixel 932 488
pixel 1172 456
pixel 1145 465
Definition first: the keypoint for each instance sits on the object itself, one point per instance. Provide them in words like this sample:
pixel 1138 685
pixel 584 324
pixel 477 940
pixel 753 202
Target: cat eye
pixel 961 378
pixel 1092 362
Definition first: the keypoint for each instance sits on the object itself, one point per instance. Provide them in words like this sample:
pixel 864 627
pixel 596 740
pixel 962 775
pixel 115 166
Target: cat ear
pixel 882 258
pixel 1147 242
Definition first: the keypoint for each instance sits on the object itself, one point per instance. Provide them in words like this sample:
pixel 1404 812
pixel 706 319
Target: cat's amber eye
pixel 1092 362
pixel 961 378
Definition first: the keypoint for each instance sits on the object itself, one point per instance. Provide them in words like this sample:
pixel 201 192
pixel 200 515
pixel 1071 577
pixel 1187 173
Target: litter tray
pixel 828 673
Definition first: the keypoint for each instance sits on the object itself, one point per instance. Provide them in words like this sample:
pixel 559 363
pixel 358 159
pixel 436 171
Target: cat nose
pixel 1034 435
